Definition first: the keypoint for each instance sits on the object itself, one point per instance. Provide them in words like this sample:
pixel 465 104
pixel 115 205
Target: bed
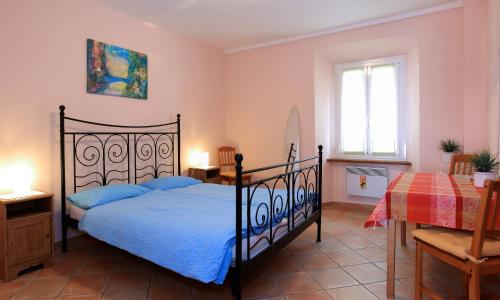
pixel 203 231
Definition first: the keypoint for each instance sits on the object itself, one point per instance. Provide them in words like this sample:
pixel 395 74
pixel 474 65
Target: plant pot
pixel 447 156
pixel 481 177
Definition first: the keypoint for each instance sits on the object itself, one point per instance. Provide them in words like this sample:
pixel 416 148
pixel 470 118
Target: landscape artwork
pixel 112 70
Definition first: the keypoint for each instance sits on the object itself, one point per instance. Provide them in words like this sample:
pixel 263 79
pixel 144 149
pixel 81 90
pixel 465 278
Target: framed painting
pixel 116 71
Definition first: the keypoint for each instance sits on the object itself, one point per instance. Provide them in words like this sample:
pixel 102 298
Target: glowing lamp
pixel 199 159
pixel 16 178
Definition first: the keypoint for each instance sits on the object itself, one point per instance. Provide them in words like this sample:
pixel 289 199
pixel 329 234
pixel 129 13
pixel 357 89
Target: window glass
pixel 368 119
pixel 383 110
pixel 353 115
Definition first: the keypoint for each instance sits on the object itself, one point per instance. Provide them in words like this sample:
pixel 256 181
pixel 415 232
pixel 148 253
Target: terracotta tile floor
pixel 349 264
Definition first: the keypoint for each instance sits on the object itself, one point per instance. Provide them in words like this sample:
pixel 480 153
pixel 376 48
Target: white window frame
pixel 401 135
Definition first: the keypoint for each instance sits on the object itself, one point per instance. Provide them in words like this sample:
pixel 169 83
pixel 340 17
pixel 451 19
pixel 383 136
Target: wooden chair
pixel 475 253
pixel 461 165
pixel 227 165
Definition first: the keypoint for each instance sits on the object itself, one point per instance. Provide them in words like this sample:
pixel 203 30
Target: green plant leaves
pixel 484 161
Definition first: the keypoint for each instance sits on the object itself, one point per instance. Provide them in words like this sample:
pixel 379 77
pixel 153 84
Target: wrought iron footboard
pixel 286 205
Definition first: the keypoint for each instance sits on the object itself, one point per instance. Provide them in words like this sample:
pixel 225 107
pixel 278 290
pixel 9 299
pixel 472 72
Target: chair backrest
pixel 226 156
pixel 487 217
pixel 292 155
pixel 461 164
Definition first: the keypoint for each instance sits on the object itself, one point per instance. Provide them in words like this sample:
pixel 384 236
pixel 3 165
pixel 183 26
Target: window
pixel 370 108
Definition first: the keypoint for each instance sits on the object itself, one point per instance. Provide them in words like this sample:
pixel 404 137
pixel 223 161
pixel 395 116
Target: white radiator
pixel 366 181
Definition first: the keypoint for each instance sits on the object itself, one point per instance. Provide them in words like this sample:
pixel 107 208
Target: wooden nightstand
pixel 26 234
pixel 205 174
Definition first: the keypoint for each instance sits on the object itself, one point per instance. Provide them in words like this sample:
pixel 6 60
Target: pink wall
pixel 43 59
pixel 494 74
pixel 475 74
pixel 264 83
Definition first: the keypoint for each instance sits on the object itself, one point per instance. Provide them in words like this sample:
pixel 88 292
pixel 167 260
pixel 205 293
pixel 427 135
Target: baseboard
pixel 350 205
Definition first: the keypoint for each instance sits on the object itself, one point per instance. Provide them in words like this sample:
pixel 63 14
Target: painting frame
pixel 116 71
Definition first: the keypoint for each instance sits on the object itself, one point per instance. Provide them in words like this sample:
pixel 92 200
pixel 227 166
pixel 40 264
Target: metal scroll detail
pixel 277 204
pixel 101 158
pixel 154 155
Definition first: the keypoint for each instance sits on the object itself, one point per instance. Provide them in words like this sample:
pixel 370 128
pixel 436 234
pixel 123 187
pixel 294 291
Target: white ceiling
pixel 230 24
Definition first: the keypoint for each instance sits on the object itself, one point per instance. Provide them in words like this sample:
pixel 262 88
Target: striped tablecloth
pixel 429 198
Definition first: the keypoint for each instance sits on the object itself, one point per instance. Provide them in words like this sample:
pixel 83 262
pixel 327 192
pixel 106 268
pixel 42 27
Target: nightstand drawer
pixel 28 238
pixel 205 174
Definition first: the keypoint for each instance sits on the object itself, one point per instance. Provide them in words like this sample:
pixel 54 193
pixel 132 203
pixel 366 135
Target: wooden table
pixel 425 198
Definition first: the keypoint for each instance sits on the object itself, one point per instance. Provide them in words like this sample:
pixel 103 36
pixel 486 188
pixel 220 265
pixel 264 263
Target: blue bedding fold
pixel 188 230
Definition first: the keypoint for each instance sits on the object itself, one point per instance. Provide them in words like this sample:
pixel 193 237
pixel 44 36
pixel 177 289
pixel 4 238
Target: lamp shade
pixel 198 159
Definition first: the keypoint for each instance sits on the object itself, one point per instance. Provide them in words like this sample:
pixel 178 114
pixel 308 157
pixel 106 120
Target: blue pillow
pixel 171 182
pixel 106 194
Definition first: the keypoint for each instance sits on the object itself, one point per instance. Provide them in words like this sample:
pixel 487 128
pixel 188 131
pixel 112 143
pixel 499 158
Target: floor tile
pixel 373 254
pixel 366 273
pixel 261 287
pixel 333 278
pixel 86 284
pixel 401 291
pixel 315 261
pixel 7 289
pixel 129 281
pixel 351 293
pixel 332 245
pixel 355 242
pixel 39 288
pixel 77 254
pixel 302 247
pixel 437 285
pixel 338 231
pixel 81 297
pixel 164 277
pixel 284 264
pixel 212 292
pixel 296 283
pixel 107 251
pixel 99 265
pixel 126 295
pixel 62 268
pixel 134 264
pixel 403 269
pixel 347 258
pixel 170 292
pixel 320 295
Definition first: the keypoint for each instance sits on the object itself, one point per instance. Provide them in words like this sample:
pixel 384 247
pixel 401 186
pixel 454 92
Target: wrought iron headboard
pixel 117 153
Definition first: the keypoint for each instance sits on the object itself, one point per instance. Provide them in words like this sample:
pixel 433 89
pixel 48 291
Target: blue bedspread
pixel 188 230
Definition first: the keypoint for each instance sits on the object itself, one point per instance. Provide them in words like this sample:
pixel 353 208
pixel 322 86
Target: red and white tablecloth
pixel 429 198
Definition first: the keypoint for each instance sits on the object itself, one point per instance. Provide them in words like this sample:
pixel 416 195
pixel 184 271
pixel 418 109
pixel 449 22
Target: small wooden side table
pixel 26 234
pixel 205 174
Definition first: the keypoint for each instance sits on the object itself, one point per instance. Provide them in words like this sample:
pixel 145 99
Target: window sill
pixel 369 161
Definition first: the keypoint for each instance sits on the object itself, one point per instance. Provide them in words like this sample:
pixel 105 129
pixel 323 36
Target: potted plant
pixel 449 147
pixel 485 165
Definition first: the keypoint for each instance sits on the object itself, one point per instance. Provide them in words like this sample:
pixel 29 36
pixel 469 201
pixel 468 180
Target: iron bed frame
pixel 154 150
